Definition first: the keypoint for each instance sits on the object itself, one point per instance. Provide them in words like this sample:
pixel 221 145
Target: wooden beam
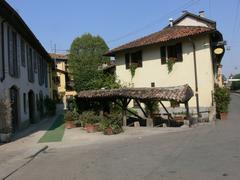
pixel 169 115
pixel 129 111
pixel 139 104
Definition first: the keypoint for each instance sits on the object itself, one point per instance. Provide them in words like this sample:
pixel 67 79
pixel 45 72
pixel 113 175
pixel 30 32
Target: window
pixel 133 58
pixel 35 61
pixel 23 53
pixel 152 84
pixel 127 60
pixel 163 55
pixel 12 53
pixel 24 103
pixel 136 58
pixel 57 80
pixel 173 52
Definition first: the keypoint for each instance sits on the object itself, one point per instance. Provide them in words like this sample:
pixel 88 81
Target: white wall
pixel 182 73
pixel 22 83
pixel 189 21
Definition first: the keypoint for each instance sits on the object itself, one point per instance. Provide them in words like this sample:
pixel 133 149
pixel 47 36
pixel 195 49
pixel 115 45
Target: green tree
pixel 236 84
pixel 86 55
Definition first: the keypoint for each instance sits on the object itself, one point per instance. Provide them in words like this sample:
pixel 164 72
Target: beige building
pixel 191 45
pixel 25 69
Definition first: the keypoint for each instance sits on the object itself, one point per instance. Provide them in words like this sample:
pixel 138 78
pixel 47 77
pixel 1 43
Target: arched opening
pixel 14 96
pixel 31 105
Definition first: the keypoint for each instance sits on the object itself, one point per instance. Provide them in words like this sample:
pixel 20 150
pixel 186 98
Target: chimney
pixel 171 22
pixel 202 13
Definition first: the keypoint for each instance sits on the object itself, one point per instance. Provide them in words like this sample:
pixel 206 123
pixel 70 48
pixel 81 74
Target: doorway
pixel 31 106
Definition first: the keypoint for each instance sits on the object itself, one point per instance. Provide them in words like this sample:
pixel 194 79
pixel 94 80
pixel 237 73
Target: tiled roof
pixel 178 93
pixel 167 34
pixel 59 56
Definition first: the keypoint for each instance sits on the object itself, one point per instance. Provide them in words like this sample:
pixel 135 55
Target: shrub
pixel 222 99
pixel 6 115
pixel 50 106
pixel 113 121
pixel 68 116
pixel 151 107
pixel 89 117
pixel 75 115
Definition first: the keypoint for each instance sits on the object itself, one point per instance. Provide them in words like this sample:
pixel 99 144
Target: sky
pixel 117 22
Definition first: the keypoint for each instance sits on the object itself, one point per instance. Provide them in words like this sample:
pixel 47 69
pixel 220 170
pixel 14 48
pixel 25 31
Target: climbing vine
pixel 170 64
pixel 132 69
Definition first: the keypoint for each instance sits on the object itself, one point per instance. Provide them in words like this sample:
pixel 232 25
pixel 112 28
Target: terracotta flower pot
pixel 223 115
pixel 70 124
pixel 108 131
pixel 91 128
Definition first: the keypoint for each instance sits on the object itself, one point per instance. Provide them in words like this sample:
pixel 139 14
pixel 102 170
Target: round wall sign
pixel 218 50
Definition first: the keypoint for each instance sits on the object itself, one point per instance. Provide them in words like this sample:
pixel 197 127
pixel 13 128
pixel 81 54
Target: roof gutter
pixel 3 54
pixel 196 77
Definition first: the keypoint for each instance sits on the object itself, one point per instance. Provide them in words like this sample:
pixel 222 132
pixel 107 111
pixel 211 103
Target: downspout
pixel 3 56
pixel 195 75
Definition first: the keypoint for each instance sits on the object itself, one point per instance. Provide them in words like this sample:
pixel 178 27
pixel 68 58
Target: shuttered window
pixel 173 52
pixel 23 53
pixel 12 53
pixel 30 64
pixel 163 55
pixel 127 60
pixel 133 58
pixel 136 58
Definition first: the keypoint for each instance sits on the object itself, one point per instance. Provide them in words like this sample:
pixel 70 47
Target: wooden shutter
pixel 140 59
pixel 179 52
pixel 163 54
pixel 127 60
pixel 10 52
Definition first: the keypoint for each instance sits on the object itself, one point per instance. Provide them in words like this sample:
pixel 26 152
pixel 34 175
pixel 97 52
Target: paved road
pixel 207 152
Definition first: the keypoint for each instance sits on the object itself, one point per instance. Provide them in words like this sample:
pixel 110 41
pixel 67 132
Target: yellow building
pixel 62 80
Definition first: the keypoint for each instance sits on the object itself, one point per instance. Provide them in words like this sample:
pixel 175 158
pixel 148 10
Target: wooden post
pixel 125 102
pixel 149 122
pixel 187 109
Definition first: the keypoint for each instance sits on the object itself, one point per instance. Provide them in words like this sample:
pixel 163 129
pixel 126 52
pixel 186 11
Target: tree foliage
pixel 86 55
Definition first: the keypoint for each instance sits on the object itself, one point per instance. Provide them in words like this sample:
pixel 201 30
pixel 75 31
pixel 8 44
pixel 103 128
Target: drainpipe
pixel 195 75
pixel 3 56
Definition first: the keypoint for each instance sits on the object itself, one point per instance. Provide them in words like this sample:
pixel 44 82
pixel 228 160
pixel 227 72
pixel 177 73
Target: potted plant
pixel 111 124
pixel 89 121
pixel 69 120
pixel 222 99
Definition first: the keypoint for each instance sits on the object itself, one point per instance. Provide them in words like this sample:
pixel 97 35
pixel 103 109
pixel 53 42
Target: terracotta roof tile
pixel 167 34
pixel 59 56
pixel 178 93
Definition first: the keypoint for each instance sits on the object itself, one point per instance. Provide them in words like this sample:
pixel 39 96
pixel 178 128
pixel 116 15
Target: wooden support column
pixel 187 110
pixel 149 122
pixel 125 103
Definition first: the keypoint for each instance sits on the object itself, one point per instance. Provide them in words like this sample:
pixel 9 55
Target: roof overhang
pixel 11 16
pixel 179 94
